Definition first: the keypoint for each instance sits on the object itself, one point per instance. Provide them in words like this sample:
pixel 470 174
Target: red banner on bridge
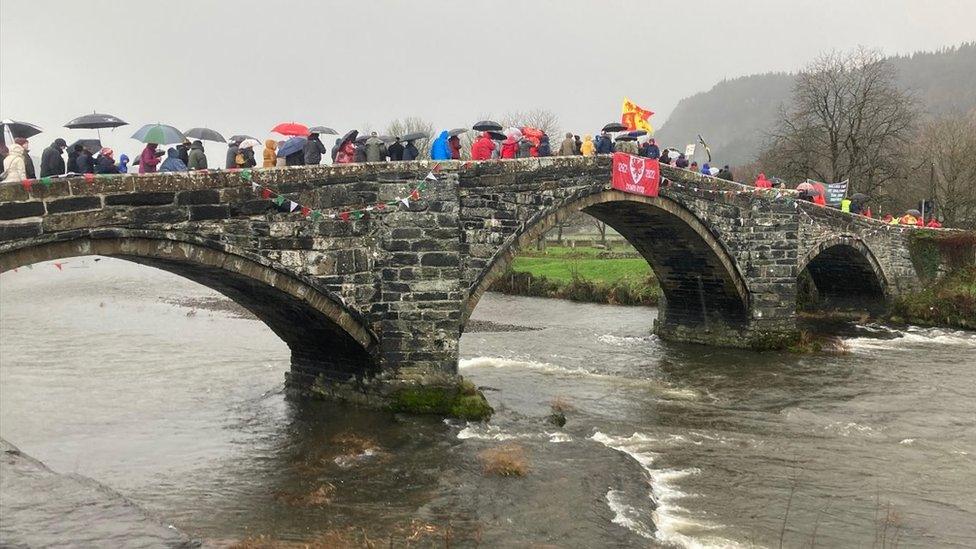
pixel 636 175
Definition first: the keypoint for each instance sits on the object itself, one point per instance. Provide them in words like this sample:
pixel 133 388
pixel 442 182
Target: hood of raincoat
pixel 272 144
pixel 197 145
pixel 444 135
pixel 706 169
pixel 124 159
pixel 587 138
pixel 16 149
pixel 172 153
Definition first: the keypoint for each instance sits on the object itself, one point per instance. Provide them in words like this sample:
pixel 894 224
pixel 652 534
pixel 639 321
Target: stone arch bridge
pixel 371 306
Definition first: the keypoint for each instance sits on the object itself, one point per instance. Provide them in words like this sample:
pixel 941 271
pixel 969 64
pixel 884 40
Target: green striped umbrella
pixel 160 134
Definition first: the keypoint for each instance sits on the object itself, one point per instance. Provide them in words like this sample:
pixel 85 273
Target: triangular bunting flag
pixel 27 184
pixel 255 187
pixel 415 195
pixel 344 216
pixel 431 176
pixel 292 206
pixel 422 186
pixel 246 174
pixel 356 214
pixel 265 193
pixel 46 181
pixel 316 215
pixel 405 201
pixel 89 177
pixel 437 167
pixel 306 211
pixel 381 206
pixel 279 200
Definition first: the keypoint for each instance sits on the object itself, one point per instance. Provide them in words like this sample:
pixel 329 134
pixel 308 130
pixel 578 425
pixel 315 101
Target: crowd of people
pixel 525 143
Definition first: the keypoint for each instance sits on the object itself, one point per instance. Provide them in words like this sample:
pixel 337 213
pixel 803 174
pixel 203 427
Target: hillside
pixel 735 115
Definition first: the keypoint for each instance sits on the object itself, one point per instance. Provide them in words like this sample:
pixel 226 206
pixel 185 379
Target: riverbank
pixel 42 508
pixel 950 302
pixel 587 275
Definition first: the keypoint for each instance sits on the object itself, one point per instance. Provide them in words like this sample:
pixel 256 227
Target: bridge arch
pixel 700 280
pixel 845 273
pixel 324 336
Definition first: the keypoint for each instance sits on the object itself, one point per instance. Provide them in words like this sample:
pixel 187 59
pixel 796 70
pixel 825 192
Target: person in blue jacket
pixel 440 149
pixel 173 163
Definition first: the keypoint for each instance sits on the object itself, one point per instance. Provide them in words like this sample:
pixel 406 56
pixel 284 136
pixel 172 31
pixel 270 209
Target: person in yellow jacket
pixel 269 153
pixel 587 148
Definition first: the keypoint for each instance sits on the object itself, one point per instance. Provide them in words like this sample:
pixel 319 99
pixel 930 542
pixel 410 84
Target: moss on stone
pixel 773 341
pixel 463 401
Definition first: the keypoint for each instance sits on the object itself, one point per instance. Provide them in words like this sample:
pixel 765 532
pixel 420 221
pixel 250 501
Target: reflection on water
pixel 182 412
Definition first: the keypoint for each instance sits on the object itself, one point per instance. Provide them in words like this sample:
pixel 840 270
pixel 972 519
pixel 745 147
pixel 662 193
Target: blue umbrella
pixel 636 133
pixel 291 146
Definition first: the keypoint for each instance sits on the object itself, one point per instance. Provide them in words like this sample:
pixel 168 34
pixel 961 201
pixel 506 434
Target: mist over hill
pixel 735 115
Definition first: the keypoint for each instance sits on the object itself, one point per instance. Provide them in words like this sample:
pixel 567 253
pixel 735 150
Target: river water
pixel 180 409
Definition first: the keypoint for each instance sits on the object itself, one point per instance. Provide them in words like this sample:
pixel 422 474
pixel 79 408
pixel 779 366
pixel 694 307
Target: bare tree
pixel 949 145
pixel 848 120
pixel 412 124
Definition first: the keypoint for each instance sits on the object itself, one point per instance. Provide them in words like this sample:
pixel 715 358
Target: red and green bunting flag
pixel 279 200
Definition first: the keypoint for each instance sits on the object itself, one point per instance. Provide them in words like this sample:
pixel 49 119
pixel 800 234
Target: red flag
pixel 306 211
pixel 380 206
pixel 90 177
pixel 636 175
pixel 344 216
pixel 27 184
pixel 436 168
pixel 265 193
pixel 415 195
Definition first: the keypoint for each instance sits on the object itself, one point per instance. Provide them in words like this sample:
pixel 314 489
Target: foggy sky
pixel 241 66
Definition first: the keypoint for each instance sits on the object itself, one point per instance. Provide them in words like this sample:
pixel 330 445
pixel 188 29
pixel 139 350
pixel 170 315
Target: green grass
pixel 562 264
pixel 582 274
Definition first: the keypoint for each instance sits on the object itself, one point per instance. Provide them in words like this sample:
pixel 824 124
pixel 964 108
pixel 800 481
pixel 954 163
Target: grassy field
pixel 582 274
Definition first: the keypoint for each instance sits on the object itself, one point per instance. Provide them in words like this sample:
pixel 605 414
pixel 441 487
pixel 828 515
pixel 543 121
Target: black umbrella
pixel 325 130
pixel 95 121
pixel 415 135
pixel 626 137
pixel 457 131
pixel 241 137
pixel 497 136
pixel 350 136
pixel 614 127
pixel 487 126
pixel 93 145
pixel 860 197
pixel 20 129
pixel 205 134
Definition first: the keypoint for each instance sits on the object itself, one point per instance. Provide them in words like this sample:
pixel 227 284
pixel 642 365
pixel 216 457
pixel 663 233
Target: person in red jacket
pixel 762 182
pixel 819 199
pixel 510 147
pixel 454 145
pixel 482 147
pixel 933 224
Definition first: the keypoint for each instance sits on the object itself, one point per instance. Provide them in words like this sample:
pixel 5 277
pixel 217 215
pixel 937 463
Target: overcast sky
pixel 241 66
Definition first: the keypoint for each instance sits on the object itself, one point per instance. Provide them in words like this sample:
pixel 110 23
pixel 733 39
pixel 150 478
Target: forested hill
pixel 735 115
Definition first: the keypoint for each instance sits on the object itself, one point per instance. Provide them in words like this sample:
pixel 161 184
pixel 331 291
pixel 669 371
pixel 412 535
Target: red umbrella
pixel 291 128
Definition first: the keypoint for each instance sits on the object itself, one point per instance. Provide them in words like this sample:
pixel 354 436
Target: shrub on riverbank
pixel 619 292
pixel 949 302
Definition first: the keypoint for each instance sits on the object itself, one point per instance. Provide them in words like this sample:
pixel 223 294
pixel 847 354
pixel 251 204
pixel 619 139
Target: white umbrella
pixel 249 144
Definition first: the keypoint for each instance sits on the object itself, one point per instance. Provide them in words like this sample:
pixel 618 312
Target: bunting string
pixel 345 214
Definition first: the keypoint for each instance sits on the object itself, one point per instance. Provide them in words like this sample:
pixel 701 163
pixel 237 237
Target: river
pixel 180 409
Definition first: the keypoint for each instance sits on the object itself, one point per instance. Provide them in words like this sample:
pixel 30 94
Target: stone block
pixel 15 231
pixel 202 212
pixel 17 210
pixel 203 196
pixel 74 204
pixel 140 199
